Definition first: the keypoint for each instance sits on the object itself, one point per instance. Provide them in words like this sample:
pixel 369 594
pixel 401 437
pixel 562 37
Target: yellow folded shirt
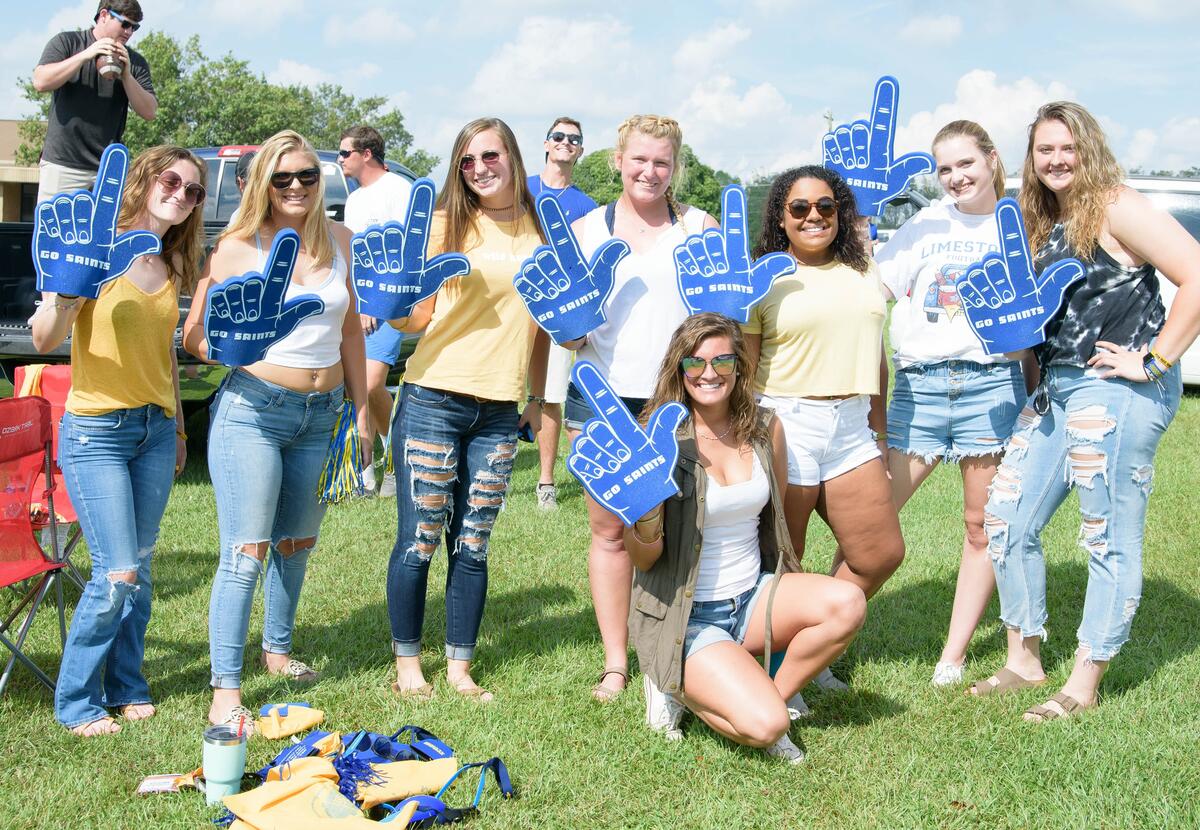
pixel 402 779
pixel 297 719
pixel 307 800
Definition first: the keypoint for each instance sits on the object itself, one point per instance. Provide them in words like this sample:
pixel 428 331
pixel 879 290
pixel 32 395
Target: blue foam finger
pixel 1006 303
pixel 391 271
pixel 637 472
pixel 562 292
pixel 76 248
pixel 239 331
pixel 873 174
pixel 714 270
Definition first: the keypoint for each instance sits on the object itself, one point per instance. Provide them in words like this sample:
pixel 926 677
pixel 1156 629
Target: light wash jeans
pixel 1098 436
pixel 118 468
pixel 266 448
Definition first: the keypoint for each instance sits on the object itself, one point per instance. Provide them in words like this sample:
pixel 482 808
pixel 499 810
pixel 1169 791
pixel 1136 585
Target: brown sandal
pixel 470 689
pixel 603 694
pixel 424 692
pixel 1005 680
pixel 1069 705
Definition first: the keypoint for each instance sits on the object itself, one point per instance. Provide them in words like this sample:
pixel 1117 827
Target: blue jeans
pixel 1098 436
pixel 266 448
pixel 457 457
pixel 118 468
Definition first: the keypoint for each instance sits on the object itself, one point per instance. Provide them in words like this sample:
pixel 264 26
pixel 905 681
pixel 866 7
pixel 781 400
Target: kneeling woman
pixel 706 558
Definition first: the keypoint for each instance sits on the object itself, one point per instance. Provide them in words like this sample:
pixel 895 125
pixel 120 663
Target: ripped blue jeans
pixel 1099 437
pixel 118 468
pixel 454 457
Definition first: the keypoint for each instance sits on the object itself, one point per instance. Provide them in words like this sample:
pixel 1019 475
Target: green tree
pixel 701 185
pixel 204 102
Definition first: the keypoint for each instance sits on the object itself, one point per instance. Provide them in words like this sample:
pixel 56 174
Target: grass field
pixel 891 753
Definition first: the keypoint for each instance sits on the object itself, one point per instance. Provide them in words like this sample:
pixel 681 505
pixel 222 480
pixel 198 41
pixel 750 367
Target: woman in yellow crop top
pixel 818 342
pixel 122 441
pixel 456 431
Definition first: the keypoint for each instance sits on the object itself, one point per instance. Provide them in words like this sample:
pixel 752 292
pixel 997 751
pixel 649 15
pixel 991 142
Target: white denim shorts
pixel 825 438
pixel 558 373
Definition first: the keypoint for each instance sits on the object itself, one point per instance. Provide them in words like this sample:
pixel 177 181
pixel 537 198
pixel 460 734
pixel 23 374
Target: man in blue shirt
pixel 564 147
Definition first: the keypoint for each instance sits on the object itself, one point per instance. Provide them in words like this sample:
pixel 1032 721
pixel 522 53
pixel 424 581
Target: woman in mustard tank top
pixel 122 441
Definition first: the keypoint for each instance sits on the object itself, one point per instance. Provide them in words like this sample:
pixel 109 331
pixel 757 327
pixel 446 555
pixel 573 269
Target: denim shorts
pixel 955 409
pixel 722 620
pixel 578 410
pixel 383 344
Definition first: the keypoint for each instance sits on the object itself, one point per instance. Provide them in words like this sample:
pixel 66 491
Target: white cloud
pixel 361 73
pixel 932 31
pixel 1171 147
pixel 374 25
pixel 261 15
pixel 701 54
pixel 288 73
pixel 1146 9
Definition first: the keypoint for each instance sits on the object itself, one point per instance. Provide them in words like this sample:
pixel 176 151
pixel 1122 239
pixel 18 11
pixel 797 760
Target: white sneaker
pixel 785 750
pixel 797 708
pixel 387 488
pixel 547 497
pixel 946 673
pixel 827 682
pixel 663 712
pixel 368 477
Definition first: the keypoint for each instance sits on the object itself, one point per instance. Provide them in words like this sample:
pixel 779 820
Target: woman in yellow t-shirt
pixel 456 431
pixel 817 340
pixel 122 441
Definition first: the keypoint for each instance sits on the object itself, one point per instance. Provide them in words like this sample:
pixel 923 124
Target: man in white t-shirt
pixel 382 196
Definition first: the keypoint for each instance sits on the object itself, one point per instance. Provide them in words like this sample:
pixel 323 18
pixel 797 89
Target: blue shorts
pixel 722 620
pixel 955 409
pixel 383 344
pixel 577 409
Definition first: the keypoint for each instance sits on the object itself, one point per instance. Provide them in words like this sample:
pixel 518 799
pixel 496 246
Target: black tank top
pixel 1114 303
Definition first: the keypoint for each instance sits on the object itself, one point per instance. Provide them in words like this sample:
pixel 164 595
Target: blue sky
pixel 749 81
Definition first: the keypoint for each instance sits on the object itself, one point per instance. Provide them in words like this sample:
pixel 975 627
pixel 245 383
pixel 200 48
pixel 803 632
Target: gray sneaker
pixel 663 712
pixel 827 682
pixel 547 497
pixel 785 750
pixel 387 487
pixel 368 477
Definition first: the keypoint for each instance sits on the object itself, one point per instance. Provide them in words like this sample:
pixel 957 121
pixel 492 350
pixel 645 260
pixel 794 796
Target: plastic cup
pixel 224 762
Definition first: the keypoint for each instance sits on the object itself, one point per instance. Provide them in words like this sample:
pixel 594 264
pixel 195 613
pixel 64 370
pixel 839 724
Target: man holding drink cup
pixel 94 78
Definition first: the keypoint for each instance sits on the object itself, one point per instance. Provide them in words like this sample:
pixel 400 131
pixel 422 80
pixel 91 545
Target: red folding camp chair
pixel 25 458
pixel 53 382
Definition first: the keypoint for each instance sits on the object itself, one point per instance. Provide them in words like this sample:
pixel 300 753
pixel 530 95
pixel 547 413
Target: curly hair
pixel 743 411
pixel 1097 178
pixel 849 246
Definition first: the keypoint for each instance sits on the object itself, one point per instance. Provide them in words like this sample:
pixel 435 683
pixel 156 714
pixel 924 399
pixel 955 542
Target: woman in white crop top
pixel 642 311
pixel 272 421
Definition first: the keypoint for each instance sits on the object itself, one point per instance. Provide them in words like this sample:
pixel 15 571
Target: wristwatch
pixel 540 401
pixel 880 436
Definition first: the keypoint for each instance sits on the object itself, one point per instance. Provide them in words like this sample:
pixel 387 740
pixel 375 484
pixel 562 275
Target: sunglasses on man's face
pixel 126 24
pixel 345 154
pixel 800 208
pixel 574 139
pixel 488 157
pixel 170 181
pixel 307 177
pixel 723 364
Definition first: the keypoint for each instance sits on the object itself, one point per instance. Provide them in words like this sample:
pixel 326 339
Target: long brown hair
pixel 973 131
pixel 1094 185
pixel 255 207
pixel 743 411
pixel 182 244
pixel 849 247
pixel 460 204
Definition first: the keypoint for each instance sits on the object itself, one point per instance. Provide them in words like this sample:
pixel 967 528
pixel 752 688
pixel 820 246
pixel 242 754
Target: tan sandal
pixel 97 727
pixel 294 671
pixel 418 693
pixel 134 711
pixel 603 694
pixel 470 689
pixel 1004 681
pixel 238 717
pixel 1069 706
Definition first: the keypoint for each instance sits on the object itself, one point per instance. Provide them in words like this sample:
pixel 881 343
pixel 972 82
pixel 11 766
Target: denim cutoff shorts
pixel 722 620
pixel 577 410
pixel 955 409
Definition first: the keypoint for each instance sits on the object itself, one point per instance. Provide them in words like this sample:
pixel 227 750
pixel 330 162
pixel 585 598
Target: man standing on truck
pixel 94 79
pixel 382 196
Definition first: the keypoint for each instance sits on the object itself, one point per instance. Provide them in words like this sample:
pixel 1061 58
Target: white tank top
pixel 317 342
pixel 730 561
pixel 644 308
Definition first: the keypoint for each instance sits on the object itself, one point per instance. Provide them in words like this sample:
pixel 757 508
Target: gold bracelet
pixel 180 433
pixel 66 306
pixel 638 536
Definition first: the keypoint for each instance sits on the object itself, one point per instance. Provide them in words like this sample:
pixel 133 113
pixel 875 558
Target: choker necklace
pixel 716 437
pixel 497 210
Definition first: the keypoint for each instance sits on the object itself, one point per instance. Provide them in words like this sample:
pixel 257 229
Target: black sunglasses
pixel 126 24
pixel 307 177
pixel 723 364
pixel 574 139
pixel 170 181
pixel 800 208
pixel 345 154
pixel 488 157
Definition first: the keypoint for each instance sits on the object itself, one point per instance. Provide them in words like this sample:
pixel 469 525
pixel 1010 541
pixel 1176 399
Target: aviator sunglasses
pixel 488 157
pixel 723 365
pixel 307 177
pixel 126 24
pixel 574 139
pixel 799 208
pixel 170 181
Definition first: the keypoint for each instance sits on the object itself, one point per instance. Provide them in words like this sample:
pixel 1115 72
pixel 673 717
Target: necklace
pixel 553 191
pixel 498 210
pixel 716 437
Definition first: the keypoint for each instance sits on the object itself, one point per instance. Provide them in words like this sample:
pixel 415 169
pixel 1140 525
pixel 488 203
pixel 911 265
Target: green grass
pixel 891 753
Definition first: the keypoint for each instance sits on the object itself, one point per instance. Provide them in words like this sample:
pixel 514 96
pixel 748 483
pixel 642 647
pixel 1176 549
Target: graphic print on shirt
pixel 941 301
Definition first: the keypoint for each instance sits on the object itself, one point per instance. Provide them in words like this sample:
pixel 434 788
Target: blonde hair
pixel 1094 184
pixel 656 126
pixel 973 131
pixel 182 244
pixel 460 204
pixel 255 208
